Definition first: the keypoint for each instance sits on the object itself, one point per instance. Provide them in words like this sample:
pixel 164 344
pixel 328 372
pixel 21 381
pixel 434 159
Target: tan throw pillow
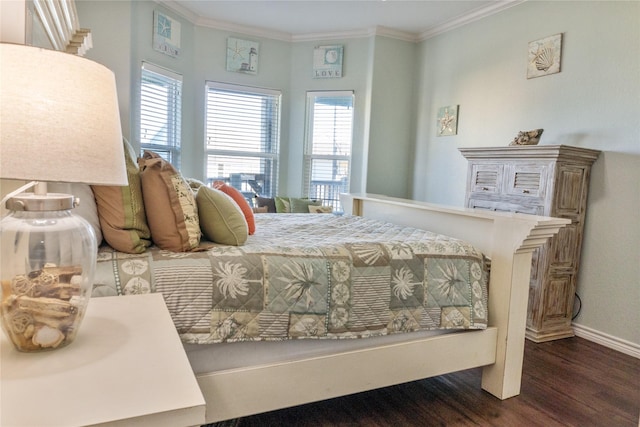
pixel 194 184
pixel 221 219
pixel 320 209
pixel 171 208
pixel 121 210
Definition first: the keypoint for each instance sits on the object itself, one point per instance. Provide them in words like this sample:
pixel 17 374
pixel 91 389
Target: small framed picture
pixel 447 121
pixel 544 56
pixel 242 56
pixel 166 34
pixel 327 62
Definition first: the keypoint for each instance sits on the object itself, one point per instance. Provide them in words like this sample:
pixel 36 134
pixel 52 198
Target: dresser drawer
pixel 503 206
pixel 526 180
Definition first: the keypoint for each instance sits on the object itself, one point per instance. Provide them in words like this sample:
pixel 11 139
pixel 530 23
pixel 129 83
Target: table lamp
pixel 59 122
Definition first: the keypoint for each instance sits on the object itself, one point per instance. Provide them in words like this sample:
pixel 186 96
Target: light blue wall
pixel 123 39
pixel 594 102
pixel 356 54
pixel 112 26
pixel 392 135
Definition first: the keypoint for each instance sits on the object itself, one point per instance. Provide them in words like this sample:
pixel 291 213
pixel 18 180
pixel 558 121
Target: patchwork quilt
pixel 310 276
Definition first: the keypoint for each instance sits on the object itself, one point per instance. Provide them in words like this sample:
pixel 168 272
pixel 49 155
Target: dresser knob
pixel 485 189
pixel 525 191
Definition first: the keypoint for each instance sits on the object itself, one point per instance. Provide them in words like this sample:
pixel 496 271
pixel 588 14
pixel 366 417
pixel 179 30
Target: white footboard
pixel 508 239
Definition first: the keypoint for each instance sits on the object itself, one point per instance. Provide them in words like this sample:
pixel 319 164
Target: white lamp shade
pixel 59 118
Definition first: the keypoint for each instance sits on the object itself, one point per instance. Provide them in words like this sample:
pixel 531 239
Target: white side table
pixel 126 367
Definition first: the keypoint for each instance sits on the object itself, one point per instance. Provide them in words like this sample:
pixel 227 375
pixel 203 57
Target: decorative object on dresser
pixel 549 180
pixel 59 122
pixel 531 137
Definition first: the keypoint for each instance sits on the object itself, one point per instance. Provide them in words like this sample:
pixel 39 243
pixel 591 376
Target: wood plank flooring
pixel 569 382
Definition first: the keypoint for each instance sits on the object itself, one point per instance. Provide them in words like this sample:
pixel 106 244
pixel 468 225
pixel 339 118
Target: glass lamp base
pixel 48 263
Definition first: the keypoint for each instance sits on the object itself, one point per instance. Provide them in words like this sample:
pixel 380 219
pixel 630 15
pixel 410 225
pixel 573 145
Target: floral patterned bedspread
pixel 310 276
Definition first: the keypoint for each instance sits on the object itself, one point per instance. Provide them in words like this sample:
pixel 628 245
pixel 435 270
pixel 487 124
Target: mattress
pixel 310 276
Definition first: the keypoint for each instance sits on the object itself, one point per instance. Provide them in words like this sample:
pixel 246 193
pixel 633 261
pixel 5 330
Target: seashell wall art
pixel 544 56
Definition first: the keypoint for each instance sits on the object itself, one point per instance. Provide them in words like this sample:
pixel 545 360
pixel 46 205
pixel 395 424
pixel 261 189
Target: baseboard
pixel 614 343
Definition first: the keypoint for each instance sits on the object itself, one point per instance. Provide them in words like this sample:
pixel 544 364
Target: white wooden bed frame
pixel 508 239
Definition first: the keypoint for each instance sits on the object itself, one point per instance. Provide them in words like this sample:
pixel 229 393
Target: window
pixel 242 136
pixel 161 112
pixel 328 146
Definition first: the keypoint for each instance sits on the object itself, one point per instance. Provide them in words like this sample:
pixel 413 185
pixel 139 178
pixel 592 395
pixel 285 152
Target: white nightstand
pixel 126 367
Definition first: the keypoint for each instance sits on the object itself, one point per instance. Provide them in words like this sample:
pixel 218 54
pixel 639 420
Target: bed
pixel 249 361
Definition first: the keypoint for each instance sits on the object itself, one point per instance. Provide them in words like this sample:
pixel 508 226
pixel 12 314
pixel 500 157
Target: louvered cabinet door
pixel 486 178
pixel 539 180
pixel 526 179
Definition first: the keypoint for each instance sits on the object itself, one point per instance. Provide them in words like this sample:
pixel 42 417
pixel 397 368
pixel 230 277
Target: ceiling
pixel 308 19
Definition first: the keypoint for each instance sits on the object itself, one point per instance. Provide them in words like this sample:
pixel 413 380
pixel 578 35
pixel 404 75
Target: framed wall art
pixel 242 56
pixel 327 62
pixel 544 56
pixel 447 123
pixel 166 34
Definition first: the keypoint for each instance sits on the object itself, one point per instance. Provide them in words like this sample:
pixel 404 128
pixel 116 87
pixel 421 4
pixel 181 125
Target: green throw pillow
pixel 282 205
pixel 221 219
pixel 302 205
pixel 294 204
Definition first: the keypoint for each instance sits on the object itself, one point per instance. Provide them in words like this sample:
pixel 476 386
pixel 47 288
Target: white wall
pixel 594 102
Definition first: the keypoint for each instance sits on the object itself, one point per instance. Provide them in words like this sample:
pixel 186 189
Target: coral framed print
pixel 447 123
pixel 327 62
pixel 166 34
pixel 242 56
pixel 544 56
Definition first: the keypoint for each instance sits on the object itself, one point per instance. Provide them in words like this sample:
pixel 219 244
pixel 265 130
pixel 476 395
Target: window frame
pixel 273 135
pixel 174 82
pixel 308 145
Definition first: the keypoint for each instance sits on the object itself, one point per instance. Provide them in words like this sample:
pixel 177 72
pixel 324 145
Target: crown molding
pixel 467 18
pixel 244 29
pixel 224 25
pixel 339 35
pixel 367 32
pixel 179 9
pixel 396 34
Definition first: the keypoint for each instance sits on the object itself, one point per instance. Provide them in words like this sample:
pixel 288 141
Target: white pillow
pixel 87 208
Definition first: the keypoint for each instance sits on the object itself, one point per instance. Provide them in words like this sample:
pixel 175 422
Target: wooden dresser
pixel 549 180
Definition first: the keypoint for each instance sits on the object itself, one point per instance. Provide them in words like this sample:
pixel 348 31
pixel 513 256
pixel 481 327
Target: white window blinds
pixel 242 137
pixel 328 146
pixel 161 112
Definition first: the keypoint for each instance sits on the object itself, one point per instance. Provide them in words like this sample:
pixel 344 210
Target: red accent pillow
pixel 240 200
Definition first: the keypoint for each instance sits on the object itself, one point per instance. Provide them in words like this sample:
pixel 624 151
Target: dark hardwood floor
pixel 569 382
